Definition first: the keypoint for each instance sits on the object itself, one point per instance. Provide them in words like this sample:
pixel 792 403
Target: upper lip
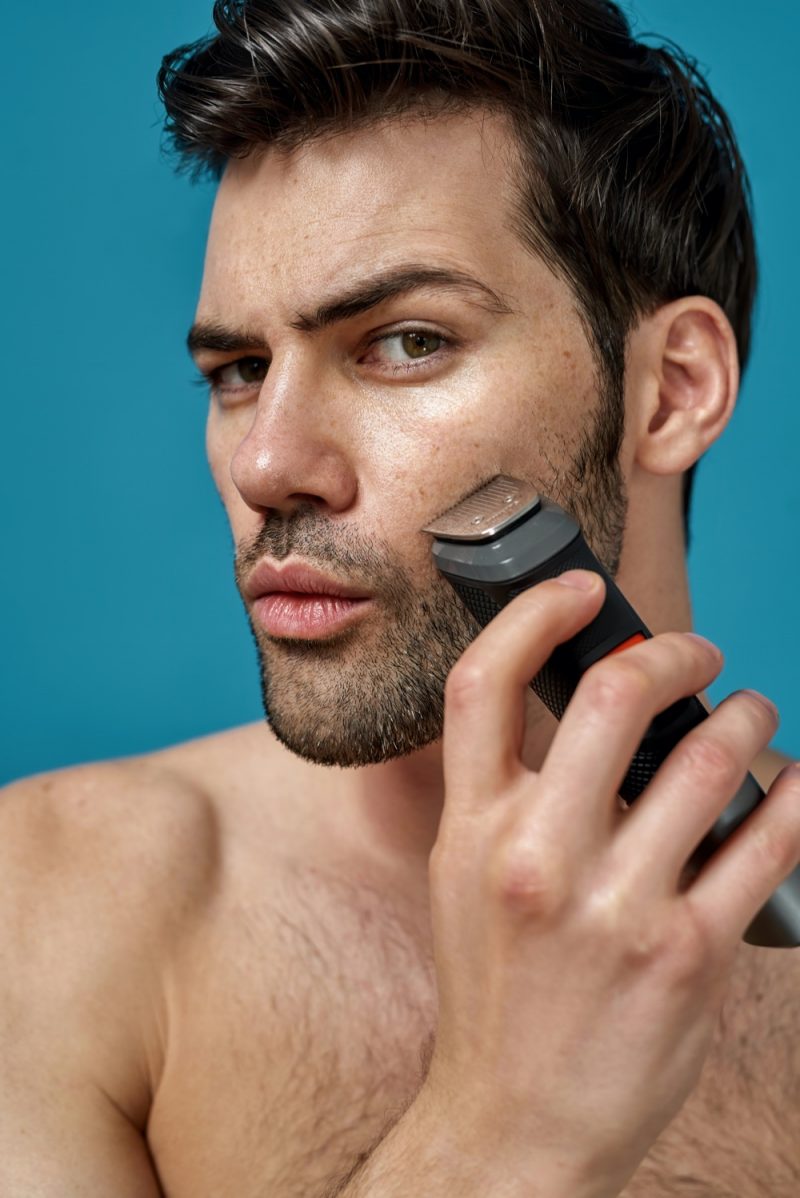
pixel 267 578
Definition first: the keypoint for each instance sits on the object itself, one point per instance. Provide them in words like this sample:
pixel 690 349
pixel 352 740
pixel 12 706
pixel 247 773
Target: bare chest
pixel 300 1031
pixel 296 1036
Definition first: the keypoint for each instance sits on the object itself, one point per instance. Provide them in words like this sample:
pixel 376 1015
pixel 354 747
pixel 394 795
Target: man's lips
pixel 267 579
pixel 297 602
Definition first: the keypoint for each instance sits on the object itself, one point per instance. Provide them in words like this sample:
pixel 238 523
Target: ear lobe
pixel 687 353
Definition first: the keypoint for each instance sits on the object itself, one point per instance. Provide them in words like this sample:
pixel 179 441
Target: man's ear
pixel 682 376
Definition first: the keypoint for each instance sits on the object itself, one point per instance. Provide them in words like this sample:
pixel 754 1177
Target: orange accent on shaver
pixel 632 640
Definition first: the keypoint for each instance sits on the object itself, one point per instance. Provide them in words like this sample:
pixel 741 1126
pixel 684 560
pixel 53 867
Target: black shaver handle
pixel 615 627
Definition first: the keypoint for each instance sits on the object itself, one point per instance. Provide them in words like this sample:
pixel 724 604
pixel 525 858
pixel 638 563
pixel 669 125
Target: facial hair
pixel 376 690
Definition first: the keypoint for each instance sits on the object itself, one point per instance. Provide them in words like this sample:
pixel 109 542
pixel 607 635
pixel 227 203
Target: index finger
pixel 485 693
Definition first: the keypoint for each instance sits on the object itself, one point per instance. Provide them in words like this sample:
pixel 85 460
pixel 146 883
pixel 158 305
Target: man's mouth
pixel 293 600
pixel 286 614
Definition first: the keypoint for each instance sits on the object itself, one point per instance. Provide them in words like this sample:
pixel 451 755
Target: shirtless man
pixel 236 968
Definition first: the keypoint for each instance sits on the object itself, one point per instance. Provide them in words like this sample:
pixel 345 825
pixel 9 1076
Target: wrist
pixel 479 1162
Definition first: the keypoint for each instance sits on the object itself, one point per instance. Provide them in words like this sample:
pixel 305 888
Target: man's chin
pixel 372 694
pixel 333 742
pixel 350 709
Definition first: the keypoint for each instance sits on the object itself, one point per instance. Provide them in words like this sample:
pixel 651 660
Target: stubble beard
pixel 376 690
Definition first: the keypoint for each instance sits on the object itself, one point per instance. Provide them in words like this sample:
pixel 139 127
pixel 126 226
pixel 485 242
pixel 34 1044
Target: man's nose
pixel 297 449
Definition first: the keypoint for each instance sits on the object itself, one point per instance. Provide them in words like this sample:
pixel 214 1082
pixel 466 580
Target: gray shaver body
pixel 491 564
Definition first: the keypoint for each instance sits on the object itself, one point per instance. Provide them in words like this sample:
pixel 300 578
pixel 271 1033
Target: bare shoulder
pixel 120 858
pixel 115 830
pixel 106 868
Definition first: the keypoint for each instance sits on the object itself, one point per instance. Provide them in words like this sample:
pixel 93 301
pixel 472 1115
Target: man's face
pixel 334 437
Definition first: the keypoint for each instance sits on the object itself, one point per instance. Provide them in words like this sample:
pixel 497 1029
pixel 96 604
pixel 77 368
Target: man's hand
pixel 579 974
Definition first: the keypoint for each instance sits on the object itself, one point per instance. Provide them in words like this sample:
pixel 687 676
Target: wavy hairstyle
pixel 631 185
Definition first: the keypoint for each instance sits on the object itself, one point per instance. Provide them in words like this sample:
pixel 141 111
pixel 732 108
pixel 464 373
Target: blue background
pixel 121 627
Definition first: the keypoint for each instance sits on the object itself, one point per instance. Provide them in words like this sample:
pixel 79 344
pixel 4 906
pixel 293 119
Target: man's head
pixel 442 224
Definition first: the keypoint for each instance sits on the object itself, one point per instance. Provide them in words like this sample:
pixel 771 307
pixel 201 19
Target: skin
pixel 157 896
pixel 393 451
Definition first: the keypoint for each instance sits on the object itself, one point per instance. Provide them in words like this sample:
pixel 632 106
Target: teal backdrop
pixel 121 628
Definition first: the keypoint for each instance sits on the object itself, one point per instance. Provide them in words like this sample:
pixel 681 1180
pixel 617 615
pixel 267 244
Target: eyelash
pixel 208 379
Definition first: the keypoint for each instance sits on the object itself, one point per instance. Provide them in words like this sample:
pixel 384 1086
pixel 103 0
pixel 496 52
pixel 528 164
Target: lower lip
pixel 285 613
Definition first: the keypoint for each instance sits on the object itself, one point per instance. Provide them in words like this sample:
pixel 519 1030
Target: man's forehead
pixel 355 203
pixel 432 177
pixel 401 158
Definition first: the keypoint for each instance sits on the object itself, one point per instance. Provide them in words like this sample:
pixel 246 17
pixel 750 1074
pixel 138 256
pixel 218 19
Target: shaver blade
pixel 486 511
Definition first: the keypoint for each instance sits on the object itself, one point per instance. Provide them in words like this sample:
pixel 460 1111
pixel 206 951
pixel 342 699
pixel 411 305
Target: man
pixel 451 240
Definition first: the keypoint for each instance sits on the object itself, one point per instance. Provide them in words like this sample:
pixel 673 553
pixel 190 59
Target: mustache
pixel 323 543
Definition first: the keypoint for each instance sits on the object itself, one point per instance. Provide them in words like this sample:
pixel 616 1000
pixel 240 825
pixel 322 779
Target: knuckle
pixel 678 947
pixel 775 850
pixel 710 757
pixel 669 940
pixel 616 683
pixel 608 911
pixel 646 947
pixel 466 682
pixel 529 881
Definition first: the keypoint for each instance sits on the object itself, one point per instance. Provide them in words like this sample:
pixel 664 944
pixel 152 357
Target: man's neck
pixel 398 804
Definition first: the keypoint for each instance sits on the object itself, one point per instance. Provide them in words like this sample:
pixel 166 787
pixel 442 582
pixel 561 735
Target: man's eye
pixel 245 372
pixel 410 345
pixel 402 353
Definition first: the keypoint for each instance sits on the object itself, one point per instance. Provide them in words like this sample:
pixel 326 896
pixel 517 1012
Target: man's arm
pixel 83 931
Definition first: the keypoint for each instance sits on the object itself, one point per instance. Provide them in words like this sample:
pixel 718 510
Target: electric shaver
pixel 504 538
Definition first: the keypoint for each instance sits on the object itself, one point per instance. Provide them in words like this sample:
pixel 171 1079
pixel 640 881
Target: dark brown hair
pixel 631 183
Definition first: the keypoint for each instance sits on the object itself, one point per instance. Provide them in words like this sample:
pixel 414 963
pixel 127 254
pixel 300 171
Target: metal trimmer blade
pixel 487 511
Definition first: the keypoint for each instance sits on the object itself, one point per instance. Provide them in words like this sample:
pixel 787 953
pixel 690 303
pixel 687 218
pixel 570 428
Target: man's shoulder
pixel 119 851
pixel 141 835
pixel 108 869
pixel 104 825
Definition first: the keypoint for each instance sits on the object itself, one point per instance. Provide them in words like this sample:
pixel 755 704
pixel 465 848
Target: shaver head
pixel 488 511
pixel 499 535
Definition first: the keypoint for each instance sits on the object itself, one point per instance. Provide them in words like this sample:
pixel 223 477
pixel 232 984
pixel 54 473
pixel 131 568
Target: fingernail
pixel 583 580
pixel 763 699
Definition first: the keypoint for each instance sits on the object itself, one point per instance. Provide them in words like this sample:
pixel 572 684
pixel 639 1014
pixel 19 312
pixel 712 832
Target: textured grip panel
pixel 482 606
pixel 579 556
pixel 644 765
pixel 556 682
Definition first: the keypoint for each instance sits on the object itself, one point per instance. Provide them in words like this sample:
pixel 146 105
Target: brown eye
pixel 246 372
pixel 252 370
pixel 419 345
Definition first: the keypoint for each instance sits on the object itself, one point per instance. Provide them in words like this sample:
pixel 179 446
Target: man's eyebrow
pixel 353 302
pixel 208 334
pixel 392 283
